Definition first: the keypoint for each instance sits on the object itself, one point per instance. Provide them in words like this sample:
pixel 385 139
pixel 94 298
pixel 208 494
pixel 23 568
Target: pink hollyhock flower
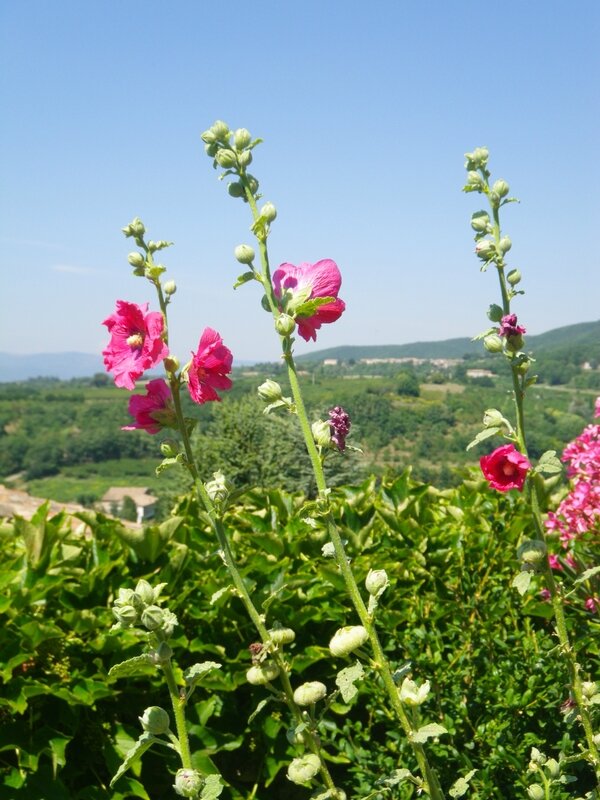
pixel 339 422
pixel 505 468
pixel 209 368
pixel 554 562
pixel 307 282
pixel 136 342
pixel 153 410
pixel 592 603
pixel 508 326
pixel 545 594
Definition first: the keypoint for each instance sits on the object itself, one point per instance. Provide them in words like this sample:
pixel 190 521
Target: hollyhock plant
pixel 308 282
pixel 508 326
pixel 339 422
pixel 505 468
pixel 136 342
pixel 209 368
pixel 153 410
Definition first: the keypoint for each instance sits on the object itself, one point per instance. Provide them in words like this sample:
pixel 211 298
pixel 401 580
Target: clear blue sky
pixel 366 110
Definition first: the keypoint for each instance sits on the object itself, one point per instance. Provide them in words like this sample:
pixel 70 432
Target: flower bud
pixel 347 639
pixel 501 188
pixel 244 253
pixel 170 287
pixel 126 616
pixel 241 138
pixel 493 343
pixel 226 158
pixel 589 689
pixel 145 591
pixel 485 249
pixel 220 131
pixel 514 277
pixel 208 137
pixel 171 363
pixel 480 222
pixel 245 158
pixel 474 179
pixel 252 184
pixel 536 758
pixel 188 783
pixel 217 489
pixel 321 432
pixel 552 767
pixel 268 212
pixel 376 582
pixel 269 391
pixel 211 149
pixel 136 259
pixel 152 617
pixel 515 343
pixel 495 313
pixel 280 635
pixel 413 695
pixel 155 720
pixel 285 325
pixel 262 673
pixel 596 739
pixel 535 791
pixel 236 189
pixel 162 654
pixel 303 770
pixel 310 693
pixel 135 228
pixel 504 244
pixel 532 552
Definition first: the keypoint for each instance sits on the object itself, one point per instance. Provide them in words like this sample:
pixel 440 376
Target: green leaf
pixel 461 786
pixel 345 680
pixel 395 778
pixel 213 786
pixel 549 463
pixel 244 278
pixel 428 732
pixel 310 307
pixel 589 573
pixel 258 709
pixel 138 665
pixel 139 748
pixel 483 435
pixel 170 462
pixel 197 671
pixel 521 582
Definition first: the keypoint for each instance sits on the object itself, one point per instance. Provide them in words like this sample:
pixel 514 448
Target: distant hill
pixel 581 341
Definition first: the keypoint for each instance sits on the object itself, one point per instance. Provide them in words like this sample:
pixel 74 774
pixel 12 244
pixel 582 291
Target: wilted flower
pixel 508 326
pixel 339 421
pixel 209 368
pixel 153 410
pixel 505 468
pixel 136 342
pixel 308 282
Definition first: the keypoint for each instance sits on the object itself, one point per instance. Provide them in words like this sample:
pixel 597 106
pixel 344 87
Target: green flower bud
pixel 478 158
pixel 493 343
pixel 376 582
pixel 536 758
pixel 310 693
pixel 126 616
pixel 501 188
pixel 245 158
pixel 211 149
pixel 523 366
pixel 217 489
pixel 208 137
pixel 413 695
pixel 596 739
pixel 268 212
pixel 236 190
pixel 136 259
pixel 536 792
pixel 474 179
pixel 589 689
pixel 303 770
pixel 241 138
pixel 171 364
pixel 162 654
pixel 515 343
pixel 170 287
pixel 495 313
pixel 347 639
pixel 269 391
pixel 280 635
pixel 145 591
pixel 532 552
pixel 285 325
pixel 252 184
pixel 226 158
pixel 552 767
pixel 169 448
pixel 480 222
pixel 485 249
pixel 244 254
pixel 152 618
pixel 514 277
pixel 262 673
pixel 135 228
pixel 220 131
pixel 188 783
pixel 155 720
pixel 321 432
pixel 504 244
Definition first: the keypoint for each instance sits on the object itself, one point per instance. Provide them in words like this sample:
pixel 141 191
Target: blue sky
pixel 366 111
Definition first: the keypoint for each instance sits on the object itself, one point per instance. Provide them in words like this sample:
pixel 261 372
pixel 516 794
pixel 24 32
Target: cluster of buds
pixel 139 608
pixel 232 151
pixel 550 772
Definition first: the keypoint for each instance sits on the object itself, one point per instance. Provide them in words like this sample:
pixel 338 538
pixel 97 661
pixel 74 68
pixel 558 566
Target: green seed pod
pixel 244 253
pixel 347 639
pixel 302 770
pixel 155 720
pixel 262 673
pixel 241 138
pixel 188 783
pixel 310 693
pixel 226 158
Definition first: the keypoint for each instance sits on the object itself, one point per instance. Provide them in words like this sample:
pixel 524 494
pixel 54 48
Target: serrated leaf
pixel 428 732
pixel 549 463
pixel 196 672
pixel 258 709
pixel 213 786
pixel 345 680
pixel 244 278
pixel 521 582
pixel 219 594
pixel 169 462
pixel 133 666
pixel 310 307
pixel 589 573
pixel 461 785
pixel 395 778
pixel 483 435
pixel 138 749
pixel 483 334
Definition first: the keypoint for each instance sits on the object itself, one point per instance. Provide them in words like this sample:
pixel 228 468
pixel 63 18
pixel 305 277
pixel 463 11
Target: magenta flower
pixel 339 422
pixel 308 282
pixel 508 326
pixel 153 410
pixel 505 468
pixel 209 368
pixel 136 342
